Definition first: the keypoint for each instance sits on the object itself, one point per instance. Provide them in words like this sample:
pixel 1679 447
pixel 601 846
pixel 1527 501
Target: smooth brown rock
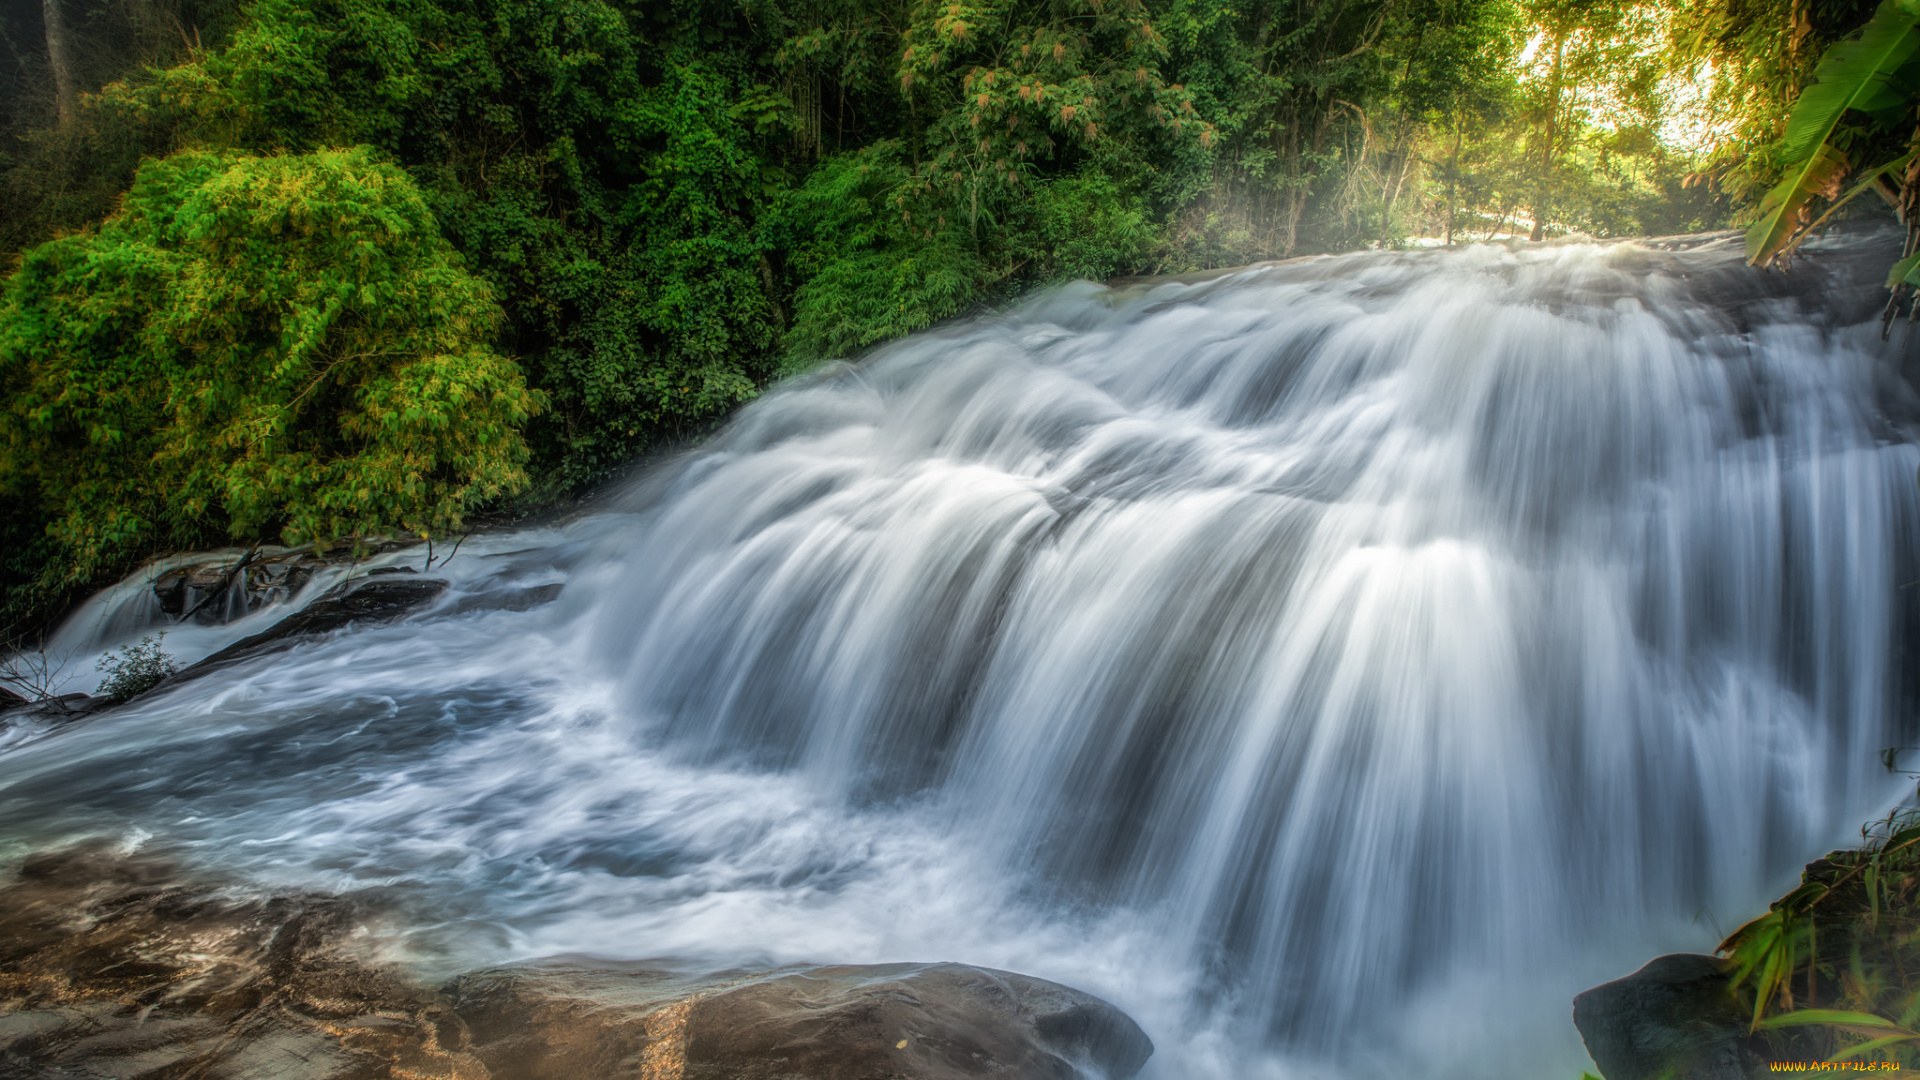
pixel 228 586
pixel 872 1022
pixel 108 967
pixel 113 966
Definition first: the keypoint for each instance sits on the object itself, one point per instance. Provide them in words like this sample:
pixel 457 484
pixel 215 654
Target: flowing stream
pixel 1337 665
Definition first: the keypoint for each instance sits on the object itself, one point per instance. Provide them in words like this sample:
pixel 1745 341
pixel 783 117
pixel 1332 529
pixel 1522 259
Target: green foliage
pixel 134 670
pixel 1875 73
pixel 1088 226
pixel 606 185
pixel 870 272
pixel 1828 968
pixel 1760 53
pixel 277 345
pixel 1014 87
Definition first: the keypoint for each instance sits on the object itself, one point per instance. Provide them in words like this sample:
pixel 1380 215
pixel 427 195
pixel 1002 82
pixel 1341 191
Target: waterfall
pixel 1338 664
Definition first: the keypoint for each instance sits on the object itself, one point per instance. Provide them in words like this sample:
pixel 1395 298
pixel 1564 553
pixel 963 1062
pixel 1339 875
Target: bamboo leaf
pixel 1871 1045
pixel 1832 1017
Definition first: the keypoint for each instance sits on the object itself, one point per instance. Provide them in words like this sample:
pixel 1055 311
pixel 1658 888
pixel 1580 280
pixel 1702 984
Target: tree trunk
pixel 1453 177
pixel 1302 189
pixel 1406 155
pixel 65 97
pixel 1546 154
pixel 1290 154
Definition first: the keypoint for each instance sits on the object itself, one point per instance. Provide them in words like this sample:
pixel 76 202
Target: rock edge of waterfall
pixel 110 965
pixel 376 598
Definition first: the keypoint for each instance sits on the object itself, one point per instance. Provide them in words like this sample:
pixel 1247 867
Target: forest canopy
pixel 311 270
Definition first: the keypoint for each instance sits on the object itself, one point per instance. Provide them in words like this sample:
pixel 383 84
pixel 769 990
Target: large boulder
pixel 1676 1018
pixel 113 965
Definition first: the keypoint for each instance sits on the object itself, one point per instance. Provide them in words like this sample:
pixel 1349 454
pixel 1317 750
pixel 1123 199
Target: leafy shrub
pixel 135 670
pixel 280 345
pixel 1090 227
pixel 871 272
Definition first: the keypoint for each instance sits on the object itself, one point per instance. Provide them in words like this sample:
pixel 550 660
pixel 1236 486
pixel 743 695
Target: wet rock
pixel 210 576
pixel 171 588
pixel 30 720
pixel 223 588
pixel 277 580
pixel 108 967
pixel 60 706
pixel 521 599
pixel 918 1021
pixel 111 965
pixel 361 601
pixel 1676 1017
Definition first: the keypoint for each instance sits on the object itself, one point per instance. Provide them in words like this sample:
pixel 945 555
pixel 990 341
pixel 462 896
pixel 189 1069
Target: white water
pixel 1338 666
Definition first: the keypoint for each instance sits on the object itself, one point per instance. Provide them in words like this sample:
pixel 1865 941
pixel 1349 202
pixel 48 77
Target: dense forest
pixel 305 271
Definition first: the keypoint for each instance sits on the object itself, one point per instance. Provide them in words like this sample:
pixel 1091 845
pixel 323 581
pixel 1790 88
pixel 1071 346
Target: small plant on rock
pixel 137 669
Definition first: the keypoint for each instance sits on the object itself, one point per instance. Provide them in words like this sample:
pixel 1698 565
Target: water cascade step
pixel 1336 665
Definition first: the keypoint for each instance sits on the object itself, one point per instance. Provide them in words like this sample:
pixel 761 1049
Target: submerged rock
pixel 1677 1017
pixel 110 966
pixel 363 600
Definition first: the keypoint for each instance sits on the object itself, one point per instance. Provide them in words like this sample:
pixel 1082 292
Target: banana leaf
pixel 1771 236
pixel 1863 184
pixel 1872 73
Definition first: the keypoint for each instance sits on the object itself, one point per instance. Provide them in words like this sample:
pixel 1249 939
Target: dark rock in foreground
pixel 1677 1017
pixel 59 707
pixel 111 967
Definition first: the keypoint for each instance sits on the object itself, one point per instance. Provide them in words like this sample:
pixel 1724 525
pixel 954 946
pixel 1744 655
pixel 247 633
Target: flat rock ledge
pixel 110 966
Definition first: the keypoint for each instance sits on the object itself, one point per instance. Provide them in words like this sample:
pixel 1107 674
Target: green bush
pixel 135 670
pixel 1088 226
pixel 870 271
pixel 278 345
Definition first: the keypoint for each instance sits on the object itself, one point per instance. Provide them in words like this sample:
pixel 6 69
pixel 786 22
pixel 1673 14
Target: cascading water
pixel 1338 665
